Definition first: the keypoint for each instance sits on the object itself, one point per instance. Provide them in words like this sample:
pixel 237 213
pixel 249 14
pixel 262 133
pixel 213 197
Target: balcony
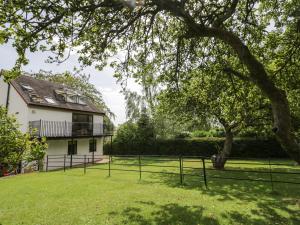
pixel 60 129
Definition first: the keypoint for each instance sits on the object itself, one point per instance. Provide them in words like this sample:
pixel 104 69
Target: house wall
pixel 48 114
pixel 18 108
pixel 17 105
pixel 58 148
pixel 98 119
pixel 3 91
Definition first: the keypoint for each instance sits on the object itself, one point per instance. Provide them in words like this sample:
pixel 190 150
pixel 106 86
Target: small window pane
pixel 72 148
pixel 50 100
pixel 93 145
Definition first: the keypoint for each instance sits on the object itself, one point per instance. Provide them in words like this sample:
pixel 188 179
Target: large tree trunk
pixel 220 159
pixel 280 106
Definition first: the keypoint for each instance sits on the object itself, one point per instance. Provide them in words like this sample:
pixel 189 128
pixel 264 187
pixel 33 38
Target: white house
pixel 72 125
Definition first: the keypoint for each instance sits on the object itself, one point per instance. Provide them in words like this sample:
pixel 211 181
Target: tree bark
pixel 220 159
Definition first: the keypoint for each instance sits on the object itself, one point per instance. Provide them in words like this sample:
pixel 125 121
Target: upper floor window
pixel 71 96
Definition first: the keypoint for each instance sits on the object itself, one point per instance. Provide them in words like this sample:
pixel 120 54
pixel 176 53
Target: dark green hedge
pixel 247 148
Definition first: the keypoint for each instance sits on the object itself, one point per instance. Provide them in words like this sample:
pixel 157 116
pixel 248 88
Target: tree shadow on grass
pixel 167 214
pixel 281 206
pixel 266 213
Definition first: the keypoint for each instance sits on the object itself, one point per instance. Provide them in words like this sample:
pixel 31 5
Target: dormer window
pixel 70 96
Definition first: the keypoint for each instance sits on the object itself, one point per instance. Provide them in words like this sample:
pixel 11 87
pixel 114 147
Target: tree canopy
pixel 170 37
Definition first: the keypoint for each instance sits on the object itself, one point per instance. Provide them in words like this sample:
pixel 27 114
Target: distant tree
pixel 16 146
pixel 145 128
pixel 230 104
pixel 140 133
pixel 126 133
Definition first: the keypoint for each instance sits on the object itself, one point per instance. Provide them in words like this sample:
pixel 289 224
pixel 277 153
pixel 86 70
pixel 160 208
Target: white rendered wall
pixel 3 91
pixel 16 106
pixel 48 114
pixel 98 119
pixel 58 148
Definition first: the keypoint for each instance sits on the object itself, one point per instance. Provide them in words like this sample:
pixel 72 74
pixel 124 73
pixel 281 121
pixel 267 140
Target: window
pixel 27 87
pixel 81 100
pixel 93 145
pixel 72 148
pixel 50 100
pixel 82 124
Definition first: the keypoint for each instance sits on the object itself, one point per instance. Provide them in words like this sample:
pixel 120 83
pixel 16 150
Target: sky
pixel 103 80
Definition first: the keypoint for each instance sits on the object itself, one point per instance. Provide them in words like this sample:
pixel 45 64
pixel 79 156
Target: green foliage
pixel 244 148
pixel 209 133
pixel 137 134
pixel 254 41
pixel 126 133
pixel 16 146
pixel 182 135
pixel 145 128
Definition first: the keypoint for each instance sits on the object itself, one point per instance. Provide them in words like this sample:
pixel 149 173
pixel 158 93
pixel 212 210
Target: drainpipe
pixel 7 96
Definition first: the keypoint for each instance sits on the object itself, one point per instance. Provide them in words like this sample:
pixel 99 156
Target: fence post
pixel 64 162
pixel 180 169
pixel 71 161
pixel 84 164
pixel 109 165
pixel 93 157
pixel 140 167
pixel 271 176
pixel 47 163
pixel 204 172
pixel 182 159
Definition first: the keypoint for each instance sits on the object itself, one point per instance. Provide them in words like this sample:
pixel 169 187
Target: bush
pixel 209 133
pixel 199 133
pixel 245 148
pixel 183 135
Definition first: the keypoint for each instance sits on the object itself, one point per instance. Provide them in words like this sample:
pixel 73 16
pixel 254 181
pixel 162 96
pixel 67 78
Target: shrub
pixel 199 133
pixel 209 133
pixel 247 148
pixel 183 135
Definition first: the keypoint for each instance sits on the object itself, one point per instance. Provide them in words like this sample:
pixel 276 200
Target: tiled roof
pixel 45 89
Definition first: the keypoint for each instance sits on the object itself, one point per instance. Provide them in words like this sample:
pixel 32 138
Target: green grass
pixel 70 197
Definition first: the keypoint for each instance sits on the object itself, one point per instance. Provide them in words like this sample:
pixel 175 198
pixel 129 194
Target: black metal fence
pixel 245 169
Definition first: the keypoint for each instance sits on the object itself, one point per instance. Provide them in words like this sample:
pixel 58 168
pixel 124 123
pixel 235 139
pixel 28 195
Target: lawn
pixel 73 197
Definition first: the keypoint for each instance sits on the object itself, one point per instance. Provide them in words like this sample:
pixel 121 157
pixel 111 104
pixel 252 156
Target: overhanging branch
pixel 231 71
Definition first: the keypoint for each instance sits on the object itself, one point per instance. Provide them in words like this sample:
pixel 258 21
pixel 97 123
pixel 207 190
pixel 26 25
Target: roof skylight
pixel 50 100
pixel 27 87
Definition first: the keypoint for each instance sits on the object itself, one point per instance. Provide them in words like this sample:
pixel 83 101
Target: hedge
pixel 245 148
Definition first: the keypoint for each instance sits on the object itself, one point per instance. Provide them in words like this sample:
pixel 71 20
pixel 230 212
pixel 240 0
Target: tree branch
pixel 227 13
pixel 231 71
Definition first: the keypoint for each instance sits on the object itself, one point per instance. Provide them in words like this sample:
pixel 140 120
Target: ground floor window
pixel 72 148
pixel 93 145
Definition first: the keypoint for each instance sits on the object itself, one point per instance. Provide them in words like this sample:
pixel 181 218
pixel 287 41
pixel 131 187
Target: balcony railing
pixel 42 128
